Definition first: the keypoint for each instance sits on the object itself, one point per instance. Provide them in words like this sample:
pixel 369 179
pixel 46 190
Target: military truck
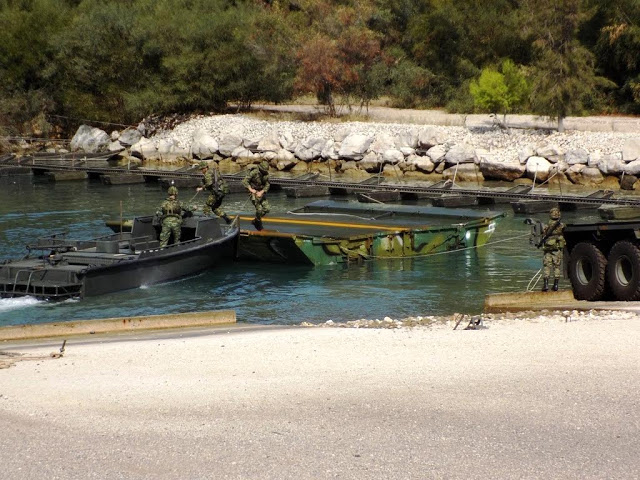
pixel 603 260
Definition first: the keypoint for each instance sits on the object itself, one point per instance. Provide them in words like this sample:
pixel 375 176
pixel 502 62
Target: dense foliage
pixel 120 60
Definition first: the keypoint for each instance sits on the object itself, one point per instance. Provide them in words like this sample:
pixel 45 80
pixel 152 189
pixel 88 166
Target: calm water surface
pixel 259 293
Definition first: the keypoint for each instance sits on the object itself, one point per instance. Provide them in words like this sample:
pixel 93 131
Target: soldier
pixel 257 182
pixel 217 188
pixel 552 243
pixel 171 212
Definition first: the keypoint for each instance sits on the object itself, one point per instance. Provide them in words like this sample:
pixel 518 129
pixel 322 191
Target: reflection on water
pixel 260 293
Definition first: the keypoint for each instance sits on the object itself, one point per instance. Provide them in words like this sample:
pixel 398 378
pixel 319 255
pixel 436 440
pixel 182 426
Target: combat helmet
pixel 172 190
pixel 554 213
pixel 264 166
pixel 202 165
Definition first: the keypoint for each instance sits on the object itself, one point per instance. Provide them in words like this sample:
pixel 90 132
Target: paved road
pixel 437 117
pixel 533 399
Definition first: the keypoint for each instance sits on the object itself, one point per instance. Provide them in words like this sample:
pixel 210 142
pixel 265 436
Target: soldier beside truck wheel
pixel 552 244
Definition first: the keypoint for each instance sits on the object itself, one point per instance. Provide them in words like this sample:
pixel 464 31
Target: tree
pixel 500 92
pixel 617 46
pixel 563 72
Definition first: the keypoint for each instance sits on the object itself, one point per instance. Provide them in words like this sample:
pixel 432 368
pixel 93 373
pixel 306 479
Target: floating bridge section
pixel 96 165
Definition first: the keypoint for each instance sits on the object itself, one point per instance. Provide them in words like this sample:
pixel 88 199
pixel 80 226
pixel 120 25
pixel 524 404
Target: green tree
pixel 27 59
pixel 617 46
pixel 563 74
pixel 500 92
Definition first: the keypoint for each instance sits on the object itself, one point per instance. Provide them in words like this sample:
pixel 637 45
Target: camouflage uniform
pixel 217 191
pixel 171 211
pixel 258 179
pixel 552 246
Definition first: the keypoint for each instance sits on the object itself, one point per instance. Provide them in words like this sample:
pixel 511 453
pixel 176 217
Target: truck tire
pixel 587 270
pixel 623 271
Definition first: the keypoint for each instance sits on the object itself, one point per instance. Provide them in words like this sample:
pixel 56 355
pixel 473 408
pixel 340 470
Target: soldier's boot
pixel 256 222
pixel 227 218
pixel 545 286
pixel 555 285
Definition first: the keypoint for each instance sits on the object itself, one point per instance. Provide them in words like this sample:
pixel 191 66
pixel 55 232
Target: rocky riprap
pixel 397 150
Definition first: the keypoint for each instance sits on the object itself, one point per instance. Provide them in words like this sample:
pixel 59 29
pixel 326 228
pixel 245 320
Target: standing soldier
pixel 552 243
pixel 217 188
pixel 171 212
pixel 257 182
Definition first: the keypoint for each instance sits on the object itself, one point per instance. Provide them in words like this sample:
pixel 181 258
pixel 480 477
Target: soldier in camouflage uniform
pixel 217 188
pixel 171 212
pixel 257 182
pixel 552 245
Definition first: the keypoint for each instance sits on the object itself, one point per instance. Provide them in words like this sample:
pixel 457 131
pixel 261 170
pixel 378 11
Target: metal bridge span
pixel 369 185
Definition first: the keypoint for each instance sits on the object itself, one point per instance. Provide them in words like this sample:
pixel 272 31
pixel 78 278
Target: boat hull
pixel 155 270
pixel 122 261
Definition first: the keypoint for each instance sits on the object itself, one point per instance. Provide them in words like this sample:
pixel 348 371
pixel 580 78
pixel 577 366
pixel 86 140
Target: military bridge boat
pixel 59 268
pixel 330 232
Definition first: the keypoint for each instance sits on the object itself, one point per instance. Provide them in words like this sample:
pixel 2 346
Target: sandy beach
pixel 554 396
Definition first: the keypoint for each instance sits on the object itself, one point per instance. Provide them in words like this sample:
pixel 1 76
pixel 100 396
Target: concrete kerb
pixel 120 324
pixel 555 301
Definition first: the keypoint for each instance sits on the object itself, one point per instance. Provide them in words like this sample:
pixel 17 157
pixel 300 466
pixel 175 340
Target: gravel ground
pixel 546 396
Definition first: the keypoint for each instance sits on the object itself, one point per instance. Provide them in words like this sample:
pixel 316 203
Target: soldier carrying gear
pixel 217 188
pixel 257 182
pixel 552 244
pixel 171 211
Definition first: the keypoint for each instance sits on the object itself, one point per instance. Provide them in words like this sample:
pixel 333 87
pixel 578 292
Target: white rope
pixel 534 281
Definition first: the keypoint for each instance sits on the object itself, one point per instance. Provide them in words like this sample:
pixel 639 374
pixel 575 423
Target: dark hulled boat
pixel 64 268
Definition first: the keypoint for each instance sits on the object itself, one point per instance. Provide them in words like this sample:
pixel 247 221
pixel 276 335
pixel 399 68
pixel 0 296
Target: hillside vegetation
pixel 121 60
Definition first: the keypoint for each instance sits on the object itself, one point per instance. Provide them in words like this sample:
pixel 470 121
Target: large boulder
pixel 371 162
pixel 463 172
pixel 538 168
pixel 392 156
pixel 437 153
pixel 421 163
pixel 430 137
pixel 611 164
pixel 632 168
pixel 460 153
pixel 577 156
pixel 310 148
pixel 129 137
pixel 285 160
pixel 407 139
pixel 526 152
pixel 382 142
pixel 270 142
pixel 144 149
pixel 552 153
pixel 355 146
pixel 330 150
pixel 494 169
pixel 229 142
pixel 203 145
pixel 90 140
pixel 631 149
pixel 287 141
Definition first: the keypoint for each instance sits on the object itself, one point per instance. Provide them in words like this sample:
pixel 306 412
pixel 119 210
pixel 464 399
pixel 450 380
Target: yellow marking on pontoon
pixel 329 224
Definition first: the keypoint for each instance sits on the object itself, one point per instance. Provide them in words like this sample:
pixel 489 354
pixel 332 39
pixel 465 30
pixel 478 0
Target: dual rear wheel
pixel 593 275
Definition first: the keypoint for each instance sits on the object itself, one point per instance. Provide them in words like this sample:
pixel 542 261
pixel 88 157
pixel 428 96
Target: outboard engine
pixel 535 237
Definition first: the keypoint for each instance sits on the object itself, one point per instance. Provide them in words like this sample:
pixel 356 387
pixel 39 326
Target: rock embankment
pixel 405 151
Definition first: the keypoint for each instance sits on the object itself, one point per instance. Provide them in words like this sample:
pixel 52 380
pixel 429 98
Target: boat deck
pixel 326 218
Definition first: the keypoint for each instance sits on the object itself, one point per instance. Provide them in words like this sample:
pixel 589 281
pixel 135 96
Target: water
pixel 259 293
